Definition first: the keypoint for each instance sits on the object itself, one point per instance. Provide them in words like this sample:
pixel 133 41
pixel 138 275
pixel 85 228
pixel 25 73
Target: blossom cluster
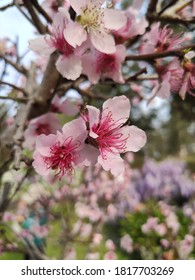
pixel 96 136
pixel 93 44
pixel 87 40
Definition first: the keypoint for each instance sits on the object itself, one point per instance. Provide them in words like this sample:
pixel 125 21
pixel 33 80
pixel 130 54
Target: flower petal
pixel 44 143
pixel 75 34
pixel 39 164
pixel 103 42
pixel 77 5
pixel 136 138
pixel 114 163
pixel 88 155
pixel 119 106
pixel 77 129
pixel 89 68
pixel 69 67
pixel 41 46
pixel 114 19
pixel 94 115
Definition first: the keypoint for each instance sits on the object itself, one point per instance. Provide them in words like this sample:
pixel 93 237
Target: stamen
pixel 63 157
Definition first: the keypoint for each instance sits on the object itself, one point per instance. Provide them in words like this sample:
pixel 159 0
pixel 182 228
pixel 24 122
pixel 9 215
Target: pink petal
pixel 69 67
pixel 120 53
pixel 103 42
pixel 89 68
pixel 64 12
pixel 41 46
pixel 94 115
pixel 44 143
pixel 77 5
pixel 70 108
pixel 165 88
pixel 114 163
pixel 114 19
pixel 39 164
pixel 183 90
pixel 75 34
pixel 119 106
pixel 136 140
pixel 77 129
pixel 88 155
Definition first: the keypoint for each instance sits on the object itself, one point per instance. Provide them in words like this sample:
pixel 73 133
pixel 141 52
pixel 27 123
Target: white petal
pixel 103 42
pixel 41 46
pixel 89 68
pixel 76 129
pixel 70 67
pixel 137 138
pixel 39 164
pixel 64 12
pixel 75 34
pixel 114 19
pixel 88 155
pixel 77 5
pixel 94 115
pixel 114 163
pixel 45 142
pixel 119 106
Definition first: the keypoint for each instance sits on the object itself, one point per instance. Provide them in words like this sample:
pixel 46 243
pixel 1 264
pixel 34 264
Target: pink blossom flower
pixel 160 40
pixel 97 239
pixel 150 225
pixel 45 124
pixel 186 246
pixel 96 21
pixel 70 254
pixel 69 61
pixel 126 243
pixel 39 231
pixel 61 152
pixel 92 256
pixel 51 6
pixel 98 65
pixel 110 245
pixel 110 255
pixel 135 25
pixel 108 132
pixel 176 77
pixel 67 106
pixel 182 79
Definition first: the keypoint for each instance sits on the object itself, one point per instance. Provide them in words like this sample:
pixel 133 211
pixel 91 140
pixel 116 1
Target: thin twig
pixel 17 88
pixel 148 57
pixel 16 99
pixel 3 8
pixel 37 23
pixel 41 11
pixel 136 75
pixel 168 19
pixel 18 67
pixel 183 6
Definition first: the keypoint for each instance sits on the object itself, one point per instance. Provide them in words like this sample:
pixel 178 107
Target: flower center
pixel 42 129
pixel 109 139
pixel 105 63
pixel 90 17
pixel 63 157
pixel 58 41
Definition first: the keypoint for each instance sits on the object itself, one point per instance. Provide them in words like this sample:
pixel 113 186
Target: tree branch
pixel 18 67
pixel 148 57
pixel 17 88
pixel 37 23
